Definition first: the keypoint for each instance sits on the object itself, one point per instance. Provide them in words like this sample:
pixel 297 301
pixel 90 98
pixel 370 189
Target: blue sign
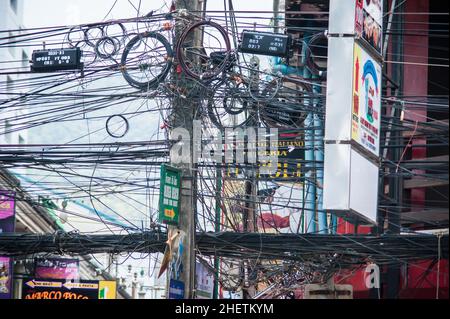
pixel 176 289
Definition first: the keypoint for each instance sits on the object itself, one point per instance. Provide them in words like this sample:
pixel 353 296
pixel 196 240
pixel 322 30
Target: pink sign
pixel 57 268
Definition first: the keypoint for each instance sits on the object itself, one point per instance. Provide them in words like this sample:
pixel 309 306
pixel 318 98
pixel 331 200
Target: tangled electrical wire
pixel 295 247
pixel 152 61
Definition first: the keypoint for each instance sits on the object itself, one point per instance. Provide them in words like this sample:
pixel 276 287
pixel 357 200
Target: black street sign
pixel 56 60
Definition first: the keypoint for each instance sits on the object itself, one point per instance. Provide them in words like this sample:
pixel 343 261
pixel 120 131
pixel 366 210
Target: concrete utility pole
pixel 183 117
pixel 249 218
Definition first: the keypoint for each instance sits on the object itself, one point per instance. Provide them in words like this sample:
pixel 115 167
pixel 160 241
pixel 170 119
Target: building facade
pixel 12 57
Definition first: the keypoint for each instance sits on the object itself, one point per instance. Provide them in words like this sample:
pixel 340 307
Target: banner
pixel 62 289
pixel 56 268
pixel 6 272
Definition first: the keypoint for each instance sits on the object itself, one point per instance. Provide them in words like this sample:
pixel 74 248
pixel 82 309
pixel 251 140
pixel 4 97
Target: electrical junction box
pixel 315 291
pixel 56 60
pixel 266 43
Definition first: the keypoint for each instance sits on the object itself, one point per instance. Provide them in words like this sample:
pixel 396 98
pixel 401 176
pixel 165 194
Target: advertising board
pixel 366 110
pixel 63 289
pixel 56 268
pixel 369 21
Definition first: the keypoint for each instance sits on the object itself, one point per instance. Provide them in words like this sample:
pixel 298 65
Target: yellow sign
pixel 169 213
pixel 35 283
pixel 107 289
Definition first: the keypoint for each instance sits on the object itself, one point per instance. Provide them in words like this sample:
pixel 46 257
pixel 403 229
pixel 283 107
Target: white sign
pixel 205 282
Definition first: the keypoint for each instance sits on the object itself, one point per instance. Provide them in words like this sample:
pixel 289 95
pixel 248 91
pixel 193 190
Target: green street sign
pixel 169 198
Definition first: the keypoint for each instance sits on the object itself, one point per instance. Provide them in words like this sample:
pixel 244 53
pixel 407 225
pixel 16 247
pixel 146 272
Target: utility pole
pixel 249 218
pixel 183 117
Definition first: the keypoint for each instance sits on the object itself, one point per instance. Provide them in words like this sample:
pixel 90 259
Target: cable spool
pixel 140 70
pixel 123 119
pixel 90 38
pixel 109 33
pixel 104 45
pixel 73 39
pixel 223 56
pixel 282 110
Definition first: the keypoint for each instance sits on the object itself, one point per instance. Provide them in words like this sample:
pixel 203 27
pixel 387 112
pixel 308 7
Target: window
pixel 13 4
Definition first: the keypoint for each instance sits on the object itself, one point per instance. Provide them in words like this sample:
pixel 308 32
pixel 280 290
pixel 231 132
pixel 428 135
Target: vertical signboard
pixel 56 268
pixel 169 201
pixel 7 211
pixel 354 89
pixel 6 271
pixel 366 111
pixel 204 282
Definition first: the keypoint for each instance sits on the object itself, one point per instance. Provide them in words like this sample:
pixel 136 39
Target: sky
pixel 38 13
